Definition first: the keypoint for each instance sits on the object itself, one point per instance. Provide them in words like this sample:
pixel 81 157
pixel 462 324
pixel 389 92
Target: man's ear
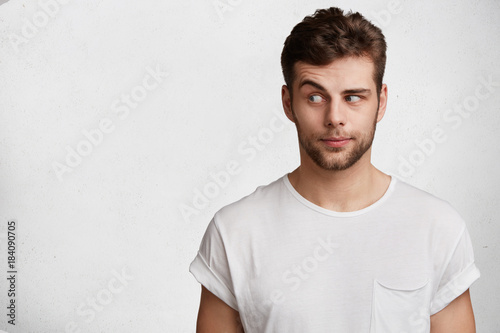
pixel 382 105
pixel 287 102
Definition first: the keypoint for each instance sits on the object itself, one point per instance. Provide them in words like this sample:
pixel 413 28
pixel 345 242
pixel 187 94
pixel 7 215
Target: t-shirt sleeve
pixel 211 268
pixel 459 274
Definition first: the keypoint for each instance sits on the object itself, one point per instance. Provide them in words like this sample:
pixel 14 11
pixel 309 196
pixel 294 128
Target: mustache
pixel 336 134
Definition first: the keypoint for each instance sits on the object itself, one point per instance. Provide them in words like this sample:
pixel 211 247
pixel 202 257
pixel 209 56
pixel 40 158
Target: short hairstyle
pixel 328 35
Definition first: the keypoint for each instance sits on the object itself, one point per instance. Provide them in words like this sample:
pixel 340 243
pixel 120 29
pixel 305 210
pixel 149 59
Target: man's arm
pixel 457 317
pixel 215 316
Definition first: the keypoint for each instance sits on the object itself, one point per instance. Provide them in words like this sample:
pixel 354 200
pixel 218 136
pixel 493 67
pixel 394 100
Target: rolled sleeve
pixel 210 267
pixel 460 273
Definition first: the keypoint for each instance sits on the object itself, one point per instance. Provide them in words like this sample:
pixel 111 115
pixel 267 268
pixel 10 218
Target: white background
pixel 118 212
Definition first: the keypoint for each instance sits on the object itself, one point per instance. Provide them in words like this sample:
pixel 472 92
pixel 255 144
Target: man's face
pixel 335 109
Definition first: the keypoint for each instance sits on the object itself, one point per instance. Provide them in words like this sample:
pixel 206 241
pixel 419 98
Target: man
pixel 336 245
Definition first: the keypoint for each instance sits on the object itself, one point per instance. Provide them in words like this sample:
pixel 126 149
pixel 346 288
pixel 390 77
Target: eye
pixel 352 98
pixel 315 98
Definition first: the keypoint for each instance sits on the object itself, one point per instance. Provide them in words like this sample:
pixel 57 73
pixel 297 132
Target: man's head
pixel 333 67
pixel 329 35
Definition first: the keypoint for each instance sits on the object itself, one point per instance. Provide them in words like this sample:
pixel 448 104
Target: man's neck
pixel 342 191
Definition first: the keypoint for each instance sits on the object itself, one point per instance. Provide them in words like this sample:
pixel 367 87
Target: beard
pixel 336 158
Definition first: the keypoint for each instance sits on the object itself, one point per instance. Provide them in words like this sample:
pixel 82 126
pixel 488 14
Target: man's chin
pixel 333 164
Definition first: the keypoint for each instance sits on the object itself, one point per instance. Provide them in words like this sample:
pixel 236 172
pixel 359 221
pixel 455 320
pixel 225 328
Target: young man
pixel 336 245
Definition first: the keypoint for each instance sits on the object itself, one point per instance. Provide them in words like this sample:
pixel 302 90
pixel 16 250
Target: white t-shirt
pixel 288 265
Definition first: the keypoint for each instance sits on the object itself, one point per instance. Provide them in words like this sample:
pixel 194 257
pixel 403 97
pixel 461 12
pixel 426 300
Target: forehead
pixel 341 72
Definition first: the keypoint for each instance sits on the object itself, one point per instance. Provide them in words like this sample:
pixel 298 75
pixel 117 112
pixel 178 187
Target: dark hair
pixel 329 35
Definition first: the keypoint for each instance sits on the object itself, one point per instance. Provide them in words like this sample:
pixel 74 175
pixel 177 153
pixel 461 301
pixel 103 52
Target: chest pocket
pixel 400 309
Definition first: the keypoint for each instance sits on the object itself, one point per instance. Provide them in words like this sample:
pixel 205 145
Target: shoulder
pixel 247 209
pixel 420 203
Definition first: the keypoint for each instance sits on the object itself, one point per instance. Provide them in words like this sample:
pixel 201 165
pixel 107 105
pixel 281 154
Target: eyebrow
pixel 312 83
pixel 357 91
pixel 345 92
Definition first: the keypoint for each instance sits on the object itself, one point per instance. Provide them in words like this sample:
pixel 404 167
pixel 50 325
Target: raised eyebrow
pixel 312 83
pixel 357 91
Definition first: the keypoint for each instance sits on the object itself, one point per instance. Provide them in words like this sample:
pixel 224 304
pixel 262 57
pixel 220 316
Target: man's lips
pixel 338 141
pixel 336 138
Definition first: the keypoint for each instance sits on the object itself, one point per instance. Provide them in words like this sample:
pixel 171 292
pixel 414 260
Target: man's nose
pixel 335 114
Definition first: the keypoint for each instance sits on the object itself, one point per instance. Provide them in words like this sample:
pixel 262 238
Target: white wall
pixel 118 212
